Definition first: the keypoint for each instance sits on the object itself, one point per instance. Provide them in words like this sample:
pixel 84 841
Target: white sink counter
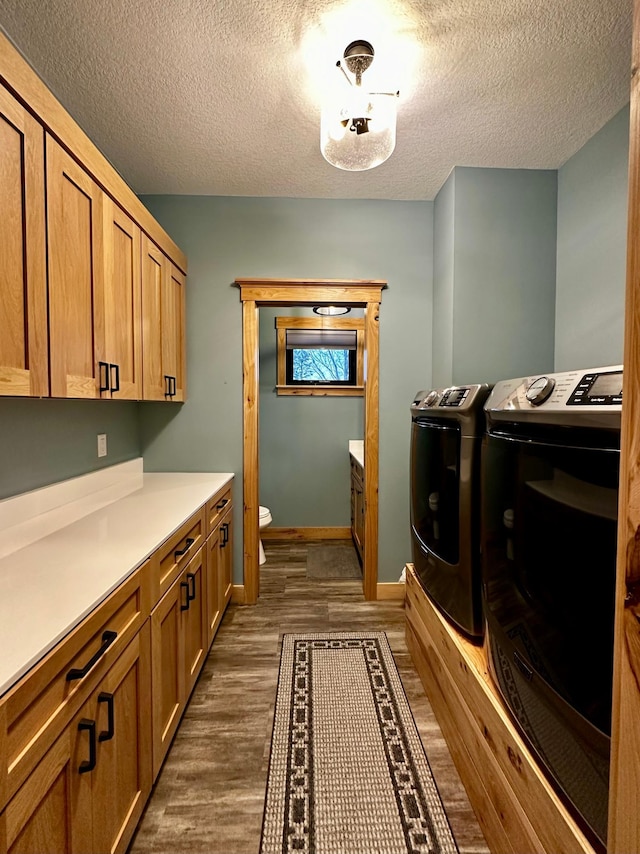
pixel 48 586
pixel 356 449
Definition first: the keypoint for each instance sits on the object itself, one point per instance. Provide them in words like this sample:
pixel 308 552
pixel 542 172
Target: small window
pixel 320 357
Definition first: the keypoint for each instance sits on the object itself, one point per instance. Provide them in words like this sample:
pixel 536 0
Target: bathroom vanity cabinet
pixel 357 506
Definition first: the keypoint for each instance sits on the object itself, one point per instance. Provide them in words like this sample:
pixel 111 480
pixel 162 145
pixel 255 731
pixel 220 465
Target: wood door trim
pixel 255 293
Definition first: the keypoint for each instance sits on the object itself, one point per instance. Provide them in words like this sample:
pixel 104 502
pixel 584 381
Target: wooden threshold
pixel 391 590
pixel 272 533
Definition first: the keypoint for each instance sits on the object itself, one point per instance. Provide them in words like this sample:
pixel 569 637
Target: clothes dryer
pixel 550 468
pixel 447 425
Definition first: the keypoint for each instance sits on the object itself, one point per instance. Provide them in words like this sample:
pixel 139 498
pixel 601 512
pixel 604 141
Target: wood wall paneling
pixel 624 783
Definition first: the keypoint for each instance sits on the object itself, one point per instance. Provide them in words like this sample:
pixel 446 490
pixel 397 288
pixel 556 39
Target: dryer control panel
pixel 591 397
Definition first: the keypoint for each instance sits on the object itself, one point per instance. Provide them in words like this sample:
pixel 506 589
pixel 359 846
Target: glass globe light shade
pixel 373 114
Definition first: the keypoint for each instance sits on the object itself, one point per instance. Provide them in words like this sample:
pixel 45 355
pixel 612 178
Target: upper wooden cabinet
pixel 23 306
pixel 85 257
pixel 119 320
pixel 163 287
pixel 76 284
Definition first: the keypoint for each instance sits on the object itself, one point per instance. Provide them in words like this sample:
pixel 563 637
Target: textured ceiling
pixel 222 97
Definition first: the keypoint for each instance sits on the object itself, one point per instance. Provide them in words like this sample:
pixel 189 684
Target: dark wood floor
pixel 209 796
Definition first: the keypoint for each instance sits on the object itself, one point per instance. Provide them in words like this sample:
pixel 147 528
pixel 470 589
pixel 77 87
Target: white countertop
pixel 49 586
pixel 356 449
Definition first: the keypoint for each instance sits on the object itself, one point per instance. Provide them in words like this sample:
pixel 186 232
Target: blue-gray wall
pixel 225 238
pixel 495 274
pixel 304 460
pixel 44 441
pixel 443 282
pixel 592 239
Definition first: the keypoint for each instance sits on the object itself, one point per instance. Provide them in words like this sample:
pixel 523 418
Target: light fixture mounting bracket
pixel 358 56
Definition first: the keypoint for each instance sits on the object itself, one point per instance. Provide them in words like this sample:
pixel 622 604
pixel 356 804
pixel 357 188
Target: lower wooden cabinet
pixel 179 646
pixel 84 734
pixel 357 507
pixel 89 790
pixel 226 559
pixel 219 571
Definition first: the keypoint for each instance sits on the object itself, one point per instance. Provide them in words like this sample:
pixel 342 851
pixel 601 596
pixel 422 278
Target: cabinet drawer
pixel 36 710
pixel 175 553
pixel 217 507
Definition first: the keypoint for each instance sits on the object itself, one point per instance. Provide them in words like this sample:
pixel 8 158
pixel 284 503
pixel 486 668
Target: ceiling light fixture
pixel 331 310
pixel 358 127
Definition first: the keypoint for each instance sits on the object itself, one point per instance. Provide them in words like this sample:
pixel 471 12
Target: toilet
pixel 265 519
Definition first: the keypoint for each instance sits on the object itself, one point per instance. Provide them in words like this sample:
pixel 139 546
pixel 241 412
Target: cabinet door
pixel 167 670
pixel 23 285
pixel 173 331
pixel 213 585
pixel 121 780
pixel 52 810
pixel 194 620
pixel 74 230
pixel 122 357
pixel 155 272
pixel 226 560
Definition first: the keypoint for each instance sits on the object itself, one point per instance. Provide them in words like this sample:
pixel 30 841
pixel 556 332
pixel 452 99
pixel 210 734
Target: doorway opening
pixel 257 293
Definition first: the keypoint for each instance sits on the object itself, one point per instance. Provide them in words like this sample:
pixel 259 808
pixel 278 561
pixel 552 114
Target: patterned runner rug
pixel 347 772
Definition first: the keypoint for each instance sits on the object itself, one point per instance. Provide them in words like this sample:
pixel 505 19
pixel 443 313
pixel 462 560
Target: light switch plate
pixel 102 444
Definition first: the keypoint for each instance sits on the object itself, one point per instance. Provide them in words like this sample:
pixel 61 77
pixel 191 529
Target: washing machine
pixel 447 425
pixel 550 469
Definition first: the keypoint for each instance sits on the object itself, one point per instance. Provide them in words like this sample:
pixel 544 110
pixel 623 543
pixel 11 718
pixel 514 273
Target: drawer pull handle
pixel 90 727
pixel 103 371
pixel 225 535
pixel 115 386
pixel 188 543
pixel 222 503
pixel 191 592
pixel 184 585
pixel 80 672
pixel 107 735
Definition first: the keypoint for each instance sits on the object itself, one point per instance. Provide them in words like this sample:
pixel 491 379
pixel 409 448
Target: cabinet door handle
pixel 103 376
pixel 179 552
pixel 90 727
pixel 184 585
pixel 173 386
pixel 167 385
pixel 107 735
pixel 225 534
pixel 191 593
pixel 115 386
pixel 80 672
pixel 222 503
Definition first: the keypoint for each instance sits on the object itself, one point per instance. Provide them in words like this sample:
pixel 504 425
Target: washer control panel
pixel 459 397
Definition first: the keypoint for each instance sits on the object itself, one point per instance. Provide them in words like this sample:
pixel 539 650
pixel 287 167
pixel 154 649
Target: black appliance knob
pixel 539 390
